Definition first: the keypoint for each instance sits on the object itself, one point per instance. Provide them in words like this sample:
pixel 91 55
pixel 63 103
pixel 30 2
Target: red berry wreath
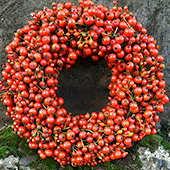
pixel 52 41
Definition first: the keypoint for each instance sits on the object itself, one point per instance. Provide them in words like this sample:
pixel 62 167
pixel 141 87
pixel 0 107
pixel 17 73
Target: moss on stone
pixel 68 168
pixel 151 142
pixel 102 166
pixel 25 150
pixel 11 144
pixel 166 146
pixel 5 151
pixel 109 166
pixel 50 164
pixel 8 142
pixel 46 164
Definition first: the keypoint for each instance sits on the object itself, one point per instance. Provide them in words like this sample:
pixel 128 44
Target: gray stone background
pixel 78 85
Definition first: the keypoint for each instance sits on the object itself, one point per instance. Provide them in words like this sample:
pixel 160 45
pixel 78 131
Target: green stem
pixel 82 142
pixel 131 97
pixel 115 32
pixel 88 130
pixel 128 113
pixel 100 130
pixel 89 119
pixel 44 106
pixel 121 149
pixel 107 34
pixel 39 87
pixel 137 118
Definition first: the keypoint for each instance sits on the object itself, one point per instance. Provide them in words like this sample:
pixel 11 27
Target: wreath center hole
pixel 84 86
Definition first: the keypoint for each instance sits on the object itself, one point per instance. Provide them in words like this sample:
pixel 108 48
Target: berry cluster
pixel 52 41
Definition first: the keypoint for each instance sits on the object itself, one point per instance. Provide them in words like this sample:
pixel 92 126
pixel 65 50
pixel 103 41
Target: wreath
pixel 52 41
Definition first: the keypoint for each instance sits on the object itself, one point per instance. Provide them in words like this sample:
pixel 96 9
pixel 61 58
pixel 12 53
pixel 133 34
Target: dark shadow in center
pixel 84 86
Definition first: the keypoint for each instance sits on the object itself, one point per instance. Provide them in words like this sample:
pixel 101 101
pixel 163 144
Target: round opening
pixel 84 86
